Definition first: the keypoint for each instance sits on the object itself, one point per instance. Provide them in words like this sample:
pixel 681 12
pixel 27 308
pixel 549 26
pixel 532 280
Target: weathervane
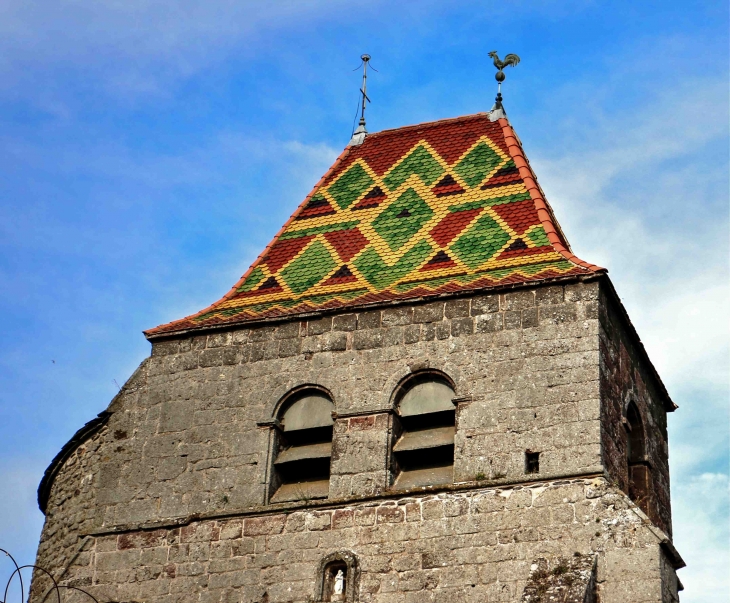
pixel 358 135
pixel 510 60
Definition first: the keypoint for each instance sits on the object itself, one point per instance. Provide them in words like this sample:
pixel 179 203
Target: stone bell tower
pixel 417 393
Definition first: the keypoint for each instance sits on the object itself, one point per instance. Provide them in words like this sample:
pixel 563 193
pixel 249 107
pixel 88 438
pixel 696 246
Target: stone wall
pixel 70 512
pixel 525 366
pixel 190 442
pixel 625 378
pixel 477 545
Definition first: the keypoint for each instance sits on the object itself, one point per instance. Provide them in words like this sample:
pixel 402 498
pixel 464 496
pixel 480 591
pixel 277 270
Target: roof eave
pixel 247 323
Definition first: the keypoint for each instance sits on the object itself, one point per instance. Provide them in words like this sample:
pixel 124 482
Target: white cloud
pixel 702 526
pixel 645 195
pixel 670 268
pixel 135 48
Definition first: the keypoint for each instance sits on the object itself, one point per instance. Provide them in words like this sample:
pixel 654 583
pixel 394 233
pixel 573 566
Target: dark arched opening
pixel 638 466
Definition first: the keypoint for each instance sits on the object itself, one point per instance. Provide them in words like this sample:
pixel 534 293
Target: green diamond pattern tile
pixel 419 162
pixel 480 242
pixel 253 279
pixel 479 162
pixel 402 219
pixel 538 236
pixel 348 187
pixel 309 268
pixel 380 274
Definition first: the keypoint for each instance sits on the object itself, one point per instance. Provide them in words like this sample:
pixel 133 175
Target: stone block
pixel 392 337
pixel 412 334
pixel 390 515
pixel 489 323
pixel 344 322
pixel 165 348
pixel 428 331
pixel 512 319
pixel 454 507
pixel 231 529
pixel 365 516
pixel 443 330
pixel 484 304
pixel 517 300
pixel 319 326
pixel 432 509
pixel 368 339
pixel 261 334
pixel 457 308
pixel 582 292
pixel 369 320
pixel 260 526
pixel 289 347
pixel 433 312
pixel 462 326
pixel 529 318
pixel 343 518
pixel 176 416
pixel 558 313
pixel 319 520
pixel 549 295
pixel 287 330
pixel 334 342
pixel 401 315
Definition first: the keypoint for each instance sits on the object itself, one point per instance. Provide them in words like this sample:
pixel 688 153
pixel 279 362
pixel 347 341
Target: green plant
pixel 559 569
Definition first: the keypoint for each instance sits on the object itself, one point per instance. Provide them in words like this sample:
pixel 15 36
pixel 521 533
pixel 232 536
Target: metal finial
pixel 358 136
pixel 510 60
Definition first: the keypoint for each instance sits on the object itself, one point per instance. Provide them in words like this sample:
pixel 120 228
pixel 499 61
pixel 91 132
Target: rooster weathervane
pixel 510 60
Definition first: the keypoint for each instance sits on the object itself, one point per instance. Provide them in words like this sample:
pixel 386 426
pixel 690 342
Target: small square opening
pixel 532 462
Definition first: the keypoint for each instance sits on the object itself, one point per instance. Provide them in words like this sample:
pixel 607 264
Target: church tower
pixel 416 394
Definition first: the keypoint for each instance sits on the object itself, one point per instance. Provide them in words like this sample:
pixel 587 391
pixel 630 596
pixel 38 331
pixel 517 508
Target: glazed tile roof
pixel 414 212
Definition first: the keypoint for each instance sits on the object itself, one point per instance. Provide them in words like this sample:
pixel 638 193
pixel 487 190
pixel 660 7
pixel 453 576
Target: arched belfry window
pixel 638 466
pixel 423 453
pixel 304 447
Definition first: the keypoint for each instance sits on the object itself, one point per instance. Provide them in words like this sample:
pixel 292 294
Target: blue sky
pixel 150 149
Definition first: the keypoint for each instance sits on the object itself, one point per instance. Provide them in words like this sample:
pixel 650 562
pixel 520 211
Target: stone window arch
pixel 639 470
pixel 340 561
pixel 423 430
pixel 302 445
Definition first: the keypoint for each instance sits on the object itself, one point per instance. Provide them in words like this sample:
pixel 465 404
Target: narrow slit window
pixel 303 448
pixel 423 453
pixel 638 466
pixel 532 462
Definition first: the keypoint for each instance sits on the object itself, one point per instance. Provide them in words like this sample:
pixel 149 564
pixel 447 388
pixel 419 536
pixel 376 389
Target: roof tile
pixel 413 212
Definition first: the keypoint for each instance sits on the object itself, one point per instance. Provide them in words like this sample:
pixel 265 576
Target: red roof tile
pixel 414 212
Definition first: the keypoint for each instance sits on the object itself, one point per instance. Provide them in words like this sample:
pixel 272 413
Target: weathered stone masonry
pixel 476 545
pixel 169 500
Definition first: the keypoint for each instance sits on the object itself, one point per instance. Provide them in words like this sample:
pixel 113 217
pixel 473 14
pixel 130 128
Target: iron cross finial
pixel 510 60
pixel 358 136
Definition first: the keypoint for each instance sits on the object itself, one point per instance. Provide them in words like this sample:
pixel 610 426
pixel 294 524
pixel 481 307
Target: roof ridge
pixel 429 124
pixel 544 211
